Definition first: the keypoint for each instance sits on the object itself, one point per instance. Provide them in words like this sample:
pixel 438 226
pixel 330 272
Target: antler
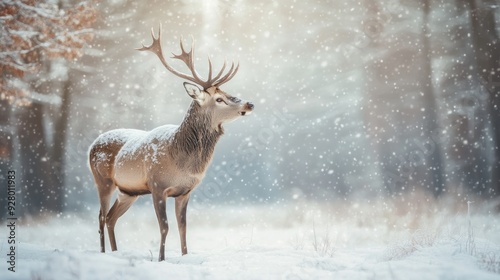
pixel 188 59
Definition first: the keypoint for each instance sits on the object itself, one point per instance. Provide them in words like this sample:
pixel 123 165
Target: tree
pixel 487 55
pixel 33 35
pixel 34 30
pixel 436 169
pixel 464 99
pixel 400 104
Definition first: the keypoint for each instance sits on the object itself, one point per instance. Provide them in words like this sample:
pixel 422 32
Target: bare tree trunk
pixel 7 153
pixel 42 133
pixel 487 52
pixel 464 100
pixel 400 106
pixel 59 142
pixel 36 178
pixel 435 165
pixel 378 105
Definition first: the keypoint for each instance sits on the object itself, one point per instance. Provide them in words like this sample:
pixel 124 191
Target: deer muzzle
pixel 247 109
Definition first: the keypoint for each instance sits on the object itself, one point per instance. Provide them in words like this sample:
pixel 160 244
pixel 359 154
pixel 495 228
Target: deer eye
pixel 219 100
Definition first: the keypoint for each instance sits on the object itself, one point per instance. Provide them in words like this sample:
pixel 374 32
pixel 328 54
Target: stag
pixel 170 160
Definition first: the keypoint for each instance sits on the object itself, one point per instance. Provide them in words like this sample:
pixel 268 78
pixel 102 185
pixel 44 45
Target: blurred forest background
pixel 354 99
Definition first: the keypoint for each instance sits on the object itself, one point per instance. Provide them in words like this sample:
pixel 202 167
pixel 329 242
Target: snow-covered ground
pixel 302 240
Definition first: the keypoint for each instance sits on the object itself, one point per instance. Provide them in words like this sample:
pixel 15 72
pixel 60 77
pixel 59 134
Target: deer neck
pixel 195 140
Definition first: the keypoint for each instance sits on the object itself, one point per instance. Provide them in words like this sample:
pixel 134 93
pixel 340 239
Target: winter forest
pixel 372 152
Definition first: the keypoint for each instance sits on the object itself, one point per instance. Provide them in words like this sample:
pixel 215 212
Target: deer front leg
pixel 181 203
pixel 161 213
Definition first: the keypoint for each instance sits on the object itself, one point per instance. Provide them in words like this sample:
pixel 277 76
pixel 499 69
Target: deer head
pixel 206 94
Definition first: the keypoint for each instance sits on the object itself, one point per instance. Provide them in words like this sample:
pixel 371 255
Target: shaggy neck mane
pixel 195 139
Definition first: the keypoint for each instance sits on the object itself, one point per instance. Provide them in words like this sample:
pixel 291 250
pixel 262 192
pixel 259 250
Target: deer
pixel 170 160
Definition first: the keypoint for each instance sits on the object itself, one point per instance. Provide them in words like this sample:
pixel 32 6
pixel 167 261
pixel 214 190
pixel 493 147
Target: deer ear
pixel 194 91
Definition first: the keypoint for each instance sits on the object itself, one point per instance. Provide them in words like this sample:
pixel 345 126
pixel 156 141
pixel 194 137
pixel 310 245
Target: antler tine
pixel 220 72
pixel 193 69
pixel 153 46
pixel 181 43
pixel 229 75
pixel 232 75
pixel 209 69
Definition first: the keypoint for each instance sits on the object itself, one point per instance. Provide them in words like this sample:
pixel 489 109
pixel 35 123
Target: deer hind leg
pixel 105 188
pixel 159 201
pixel 102 221
pixel 121 205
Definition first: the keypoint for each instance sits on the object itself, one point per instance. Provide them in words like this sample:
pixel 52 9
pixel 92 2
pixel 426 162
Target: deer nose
pixel 250 106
